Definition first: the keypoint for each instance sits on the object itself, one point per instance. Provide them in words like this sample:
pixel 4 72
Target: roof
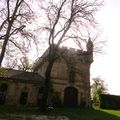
pixel 40 59
pixel 21 75
pixel 66 53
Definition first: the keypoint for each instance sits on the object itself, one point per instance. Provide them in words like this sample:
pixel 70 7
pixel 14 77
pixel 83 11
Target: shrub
pixel 109 101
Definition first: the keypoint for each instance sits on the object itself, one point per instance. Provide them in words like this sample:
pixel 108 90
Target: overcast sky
pixel 107 66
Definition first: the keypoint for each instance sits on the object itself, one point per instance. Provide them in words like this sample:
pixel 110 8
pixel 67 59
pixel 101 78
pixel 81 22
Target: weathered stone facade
pixel 70 75
pixel 19 88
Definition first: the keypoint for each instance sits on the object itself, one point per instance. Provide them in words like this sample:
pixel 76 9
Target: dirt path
pixel 35 117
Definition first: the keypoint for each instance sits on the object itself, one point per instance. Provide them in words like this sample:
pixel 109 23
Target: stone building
pixel 70 77
pixel 19 88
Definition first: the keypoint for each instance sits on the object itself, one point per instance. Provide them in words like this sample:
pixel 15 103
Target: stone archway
pixel 70 97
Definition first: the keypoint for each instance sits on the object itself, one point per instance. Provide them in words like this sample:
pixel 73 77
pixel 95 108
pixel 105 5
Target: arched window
pixel 39 97
pixel 24 96
pixel 3 91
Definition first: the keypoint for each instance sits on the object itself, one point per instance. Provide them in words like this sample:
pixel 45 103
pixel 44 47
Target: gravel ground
pixel 35 117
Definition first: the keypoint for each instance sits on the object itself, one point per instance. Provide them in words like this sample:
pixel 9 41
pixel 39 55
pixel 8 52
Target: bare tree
pixel 15 17
pixel 65 20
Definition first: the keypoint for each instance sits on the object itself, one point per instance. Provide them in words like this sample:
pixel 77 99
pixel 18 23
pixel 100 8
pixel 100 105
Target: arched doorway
pixel 70 97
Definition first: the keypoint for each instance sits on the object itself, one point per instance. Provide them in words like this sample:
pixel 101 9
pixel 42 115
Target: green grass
pixel 89 114
pixel 11 112
pixel 113 112
pixel 16 113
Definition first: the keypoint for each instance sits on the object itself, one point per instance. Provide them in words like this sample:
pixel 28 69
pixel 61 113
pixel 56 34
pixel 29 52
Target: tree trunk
pixel 3 50
pixel 47 82
pixel 5 42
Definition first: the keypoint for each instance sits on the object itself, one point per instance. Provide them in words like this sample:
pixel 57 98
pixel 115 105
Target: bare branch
pixel 15 16
pixel 17 45
pixel 54 25
pixel 8 10
pixel 3 23
pixel 15 31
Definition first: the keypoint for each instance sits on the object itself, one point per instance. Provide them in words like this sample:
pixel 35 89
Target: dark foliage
pixel 109 101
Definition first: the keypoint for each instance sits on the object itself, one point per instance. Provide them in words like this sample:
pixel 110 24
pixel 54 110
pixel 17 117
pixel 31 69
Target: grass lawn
pixel 73 113
pixel 113 112
pixel 89 114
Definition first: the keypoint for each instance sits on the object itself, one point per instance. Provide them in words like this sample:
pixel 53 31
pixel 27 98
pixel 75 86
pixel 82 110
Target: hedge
pixel 109 101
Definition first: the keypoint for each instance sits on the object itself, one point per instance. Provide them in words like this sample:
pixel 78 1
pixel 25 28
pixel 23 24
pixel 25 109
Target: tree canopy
pixel 98 87
pixel 66 20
